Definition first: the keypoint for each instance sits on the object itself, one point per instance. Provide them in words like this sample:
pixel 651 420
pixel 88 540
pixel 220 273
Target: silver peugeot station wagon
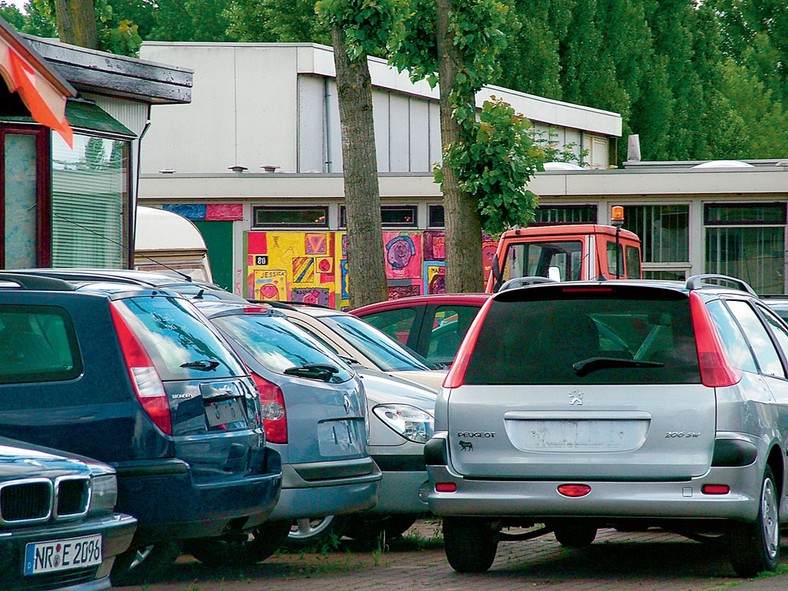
pixel 629 404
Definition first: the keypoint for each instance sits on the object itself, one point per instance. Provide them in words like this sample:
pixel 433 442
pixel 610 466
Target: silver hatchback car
pixel 630 404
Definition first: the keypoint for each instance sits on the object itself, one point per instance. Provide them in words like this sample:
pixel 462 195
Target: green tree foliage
pixel 276 21
pixel 191 20
pixel 543 27
pixel 755 36
pixel 12 15
pixel 494 167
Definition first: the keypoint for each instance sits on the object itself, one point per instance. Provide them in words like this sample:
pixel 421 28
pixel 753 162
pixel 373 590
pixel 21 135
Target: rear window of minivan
pixel 37 344
pixel 178 339
pixel 586 339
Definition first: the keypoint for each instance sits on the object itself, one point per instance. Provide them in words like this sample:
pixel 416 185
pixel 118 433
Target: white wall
pixel 276 104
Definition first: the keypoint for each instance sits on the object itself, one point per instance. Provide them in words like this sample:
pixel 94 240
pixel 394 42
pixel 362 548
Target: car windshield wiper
pixel 586 366
pixel 202 365
pixel 315 371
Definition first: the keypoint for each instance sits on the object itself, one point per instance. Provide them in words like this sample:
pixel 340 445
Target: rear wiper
pixel 315 371
pixel 586 366
pixel 201 365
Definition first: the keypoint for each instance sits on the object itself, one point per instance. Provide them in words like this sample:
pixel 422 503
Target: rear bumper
pixel 302 498
pixel 117 532
pixel 540 500
pixel 169 504
pixel 404 486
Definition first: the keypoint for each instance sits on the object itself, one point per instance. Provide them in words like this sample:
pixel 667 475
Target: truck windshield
pixel 537 258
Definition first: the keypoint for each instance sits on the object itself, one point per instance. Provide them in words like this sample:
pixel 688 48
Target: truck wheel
pixel 576 535
pixel 142 563
pixel 755 547
pixel 470 543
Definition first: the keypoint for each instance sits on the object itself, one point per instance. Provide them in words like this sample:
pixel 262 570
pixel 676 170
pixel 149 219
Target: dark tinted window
pixel 181 344
pixel 278 344
pixel 581 338
pixel 37 344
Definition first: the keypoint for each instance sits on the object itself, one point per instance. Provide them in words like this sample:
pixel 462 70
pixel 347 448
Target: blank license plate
pixel 222 413
pixel 45 557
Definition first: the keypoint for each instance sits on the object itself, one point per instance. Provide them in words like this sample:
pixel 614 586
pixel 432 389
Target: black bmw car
pixel 58 526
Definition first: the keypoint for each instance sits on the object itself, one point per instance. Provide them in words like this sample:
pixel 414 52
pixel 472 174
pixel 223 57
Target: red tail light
pixel 148 386
pixel 274 412
pixel 456 375
pixel 715 371
pixel 715 489
pixel 574 490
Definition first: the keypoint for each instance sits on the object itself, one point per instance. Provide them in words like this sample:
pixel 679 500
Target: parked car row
pixel 231 429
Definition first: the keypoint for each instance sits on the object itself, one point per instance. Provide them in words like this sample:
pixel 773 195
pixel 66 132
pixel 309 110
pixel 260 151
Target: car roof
pixel 105 277
pixel 707 283
pixel 437 299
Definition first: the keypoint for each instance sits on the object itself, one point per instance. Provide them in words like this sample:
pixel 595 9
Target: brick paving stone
pixel 617 561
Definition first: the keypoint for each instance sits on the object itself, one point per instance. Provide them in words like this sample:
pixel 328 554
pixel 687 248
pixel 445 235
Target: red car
pixel 432 325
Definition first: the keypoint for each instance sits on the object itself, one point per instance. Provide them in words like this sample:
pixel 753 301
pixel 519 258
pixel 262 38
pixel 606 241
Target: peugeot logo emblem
pixel 576 397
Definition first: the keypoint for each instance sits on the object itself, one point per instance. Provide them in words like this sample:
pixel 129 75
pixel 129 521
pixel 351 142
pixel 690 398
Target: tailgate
pixel 595 432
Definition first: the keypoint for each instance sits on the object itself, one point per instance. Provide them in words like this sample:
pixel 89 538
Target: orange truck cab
pixel 565 253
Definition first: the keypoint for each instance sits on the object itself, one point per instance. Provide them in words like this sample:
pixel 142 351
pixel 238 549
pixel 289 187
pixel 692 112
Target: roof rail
pixel 698 281
pixel 37 282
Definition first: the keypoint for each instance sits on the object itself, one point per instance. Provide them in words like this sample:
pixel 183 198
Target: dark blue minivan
pixel 139 379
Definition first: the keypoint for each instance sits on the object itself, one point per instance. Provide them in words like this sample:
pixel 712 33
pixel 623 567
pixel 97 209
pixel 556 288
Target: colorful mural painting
pixel 312 266
pixel 295 266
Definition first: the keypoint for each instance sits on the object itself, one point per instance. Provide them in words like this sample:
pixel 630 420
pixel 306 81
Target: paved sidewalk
pixel 617 561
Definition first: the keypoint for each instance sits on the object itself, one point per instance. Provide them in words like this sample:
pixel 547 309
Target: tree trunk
pixel 366 264
pixel 76 22
pixel 463 225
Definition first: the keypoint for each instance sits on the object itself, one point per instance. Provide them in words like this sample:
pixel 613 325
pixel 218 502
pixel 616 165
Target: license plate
pixel 45 557
pixel 222 413
pixel 335 438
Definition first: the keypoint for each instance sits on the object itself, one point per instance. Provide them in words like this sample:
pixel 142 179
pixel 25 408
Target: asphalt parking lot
pixel 640 561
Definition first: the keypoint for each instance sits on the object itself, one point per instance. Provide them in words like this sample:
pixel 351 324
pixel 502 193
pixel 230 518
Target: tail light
pixel 456 375
pixel 715 371
pixel 148 386
pixel 273 408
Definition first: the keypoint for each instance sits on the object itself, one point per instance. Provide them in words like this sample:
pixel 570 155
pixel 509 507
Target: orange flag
pixel 45 102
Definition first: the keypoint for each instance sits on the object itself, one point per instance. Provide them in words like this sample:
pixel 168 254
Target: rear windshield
pixel 279 345
pixel 579 339
pixel 37 344
pixel 178 339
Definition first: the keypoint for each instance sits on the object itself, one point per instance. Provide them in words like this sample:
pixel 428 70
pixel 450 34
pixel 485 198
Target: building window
pixel 747 241
pixel 289 217
pixel 436 217
pixel 90 199
pixel 663 231
pixel 392 216
pixel 549 215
